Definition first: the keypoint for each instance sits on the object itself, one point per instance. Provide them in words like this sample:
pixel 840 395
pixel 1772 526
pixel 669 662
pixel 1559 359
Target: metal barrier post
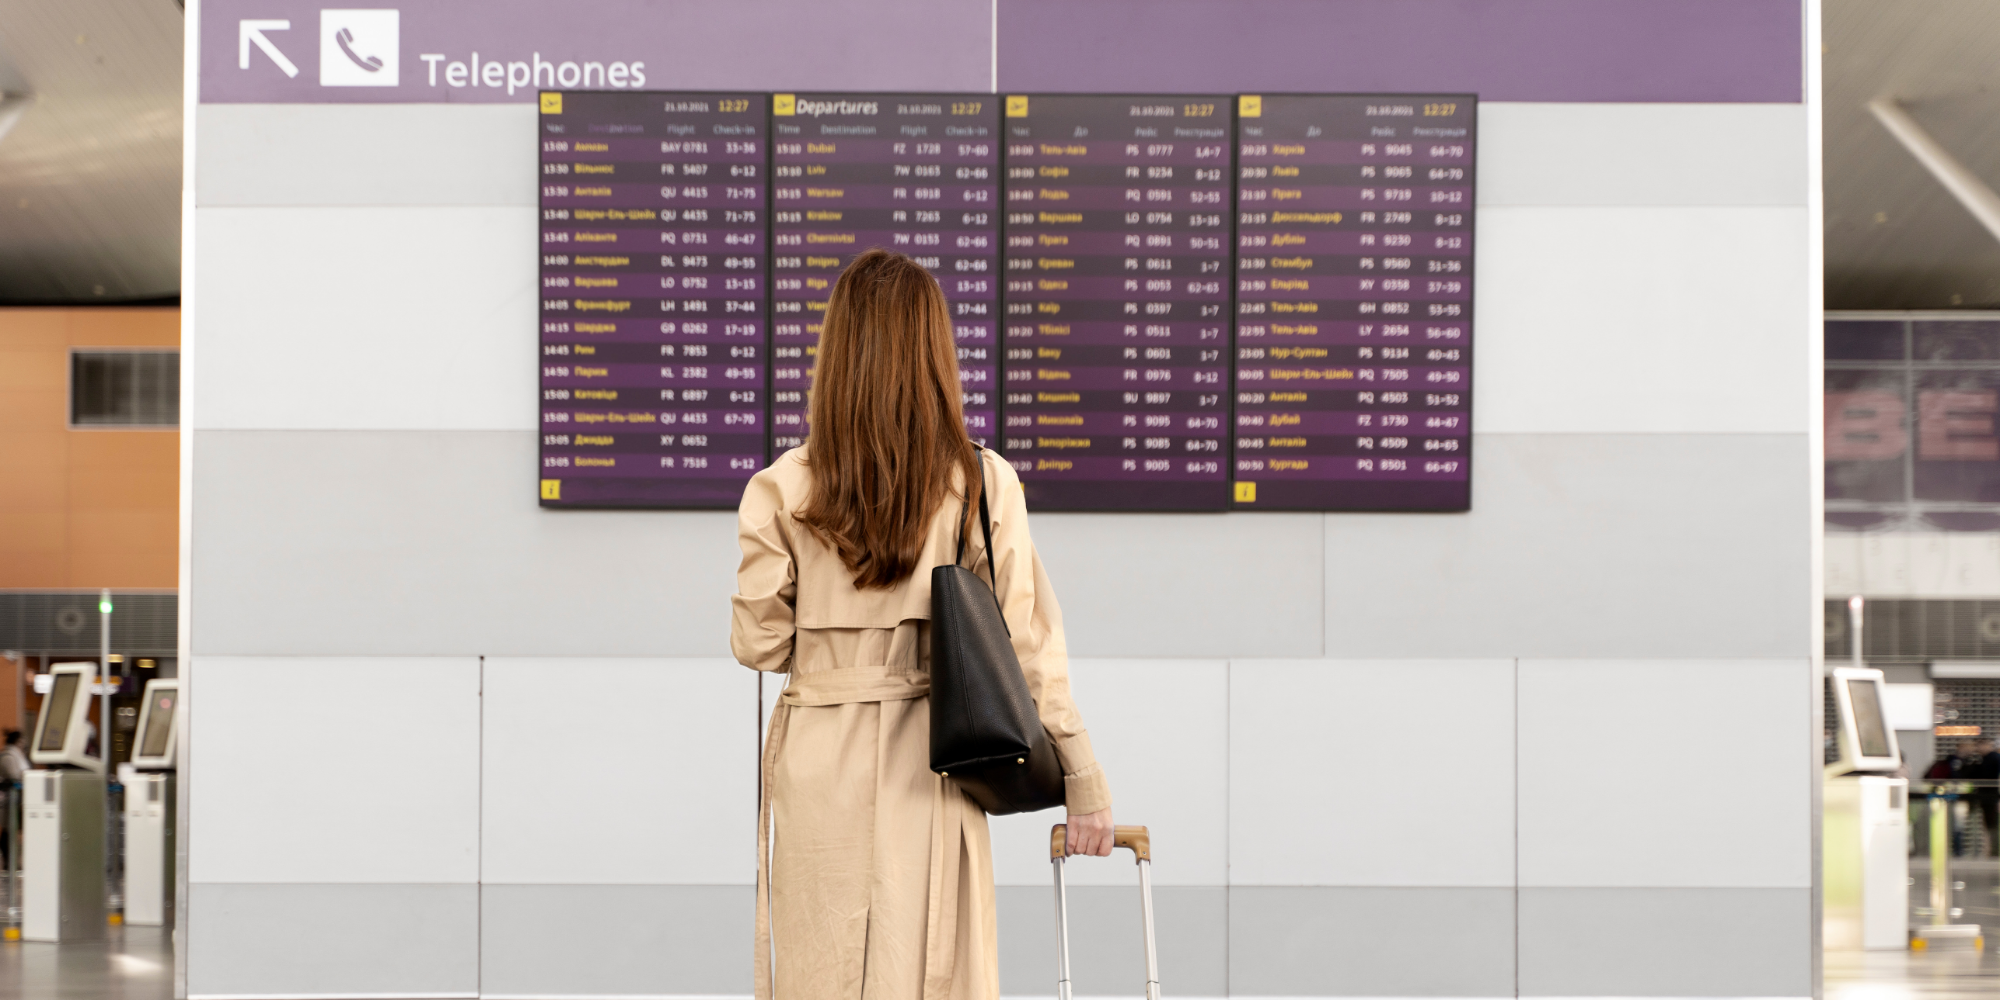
pixel 13 800
pixel 1940 857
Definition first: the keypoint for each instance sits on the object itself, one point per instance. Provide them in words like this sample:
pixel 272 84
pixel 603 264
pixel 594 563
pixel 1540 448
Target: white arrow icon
pixel 249 32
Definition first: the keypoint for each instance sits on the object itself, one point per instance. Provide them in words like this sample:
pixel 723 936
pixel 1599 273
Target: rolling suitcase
pixel 1136 840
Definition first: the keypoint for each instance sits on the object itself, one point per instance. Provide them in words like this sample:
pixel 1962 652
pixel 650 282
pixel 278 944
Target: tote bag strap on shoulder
pixel 985 529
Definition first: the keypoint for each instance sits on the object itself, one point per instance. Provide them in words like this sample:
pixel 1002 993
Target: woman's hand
pixel 1089 834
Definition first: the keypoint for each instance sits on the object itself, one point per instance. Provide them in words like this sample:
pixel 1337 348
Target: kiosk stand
pixel 1865 836
pixel 62 818
pixel 149 809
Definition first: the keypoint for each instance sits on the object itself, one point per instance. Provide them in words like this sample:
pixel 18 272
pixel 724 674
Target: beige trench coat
pixel 875 876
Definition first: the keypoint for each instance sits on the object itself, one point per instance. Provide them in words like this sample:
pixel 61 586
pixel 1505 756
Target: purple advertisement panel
pixel 915 173
pixel 654 332
pixel 1353 386
pixel 1117 296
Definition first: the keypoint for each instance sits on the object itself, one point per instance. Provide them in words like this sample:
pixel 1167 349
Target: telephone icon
pixel 344 39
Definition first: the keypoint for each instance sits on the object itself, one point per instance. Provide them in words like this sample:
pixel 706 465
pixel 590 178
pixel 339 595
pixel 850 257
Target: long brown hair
pixel 887 421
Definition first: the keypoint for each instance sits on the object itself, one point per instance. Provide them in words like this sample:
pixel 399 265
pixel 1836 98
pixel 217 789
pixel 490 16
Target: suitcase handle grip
pixel 1134 838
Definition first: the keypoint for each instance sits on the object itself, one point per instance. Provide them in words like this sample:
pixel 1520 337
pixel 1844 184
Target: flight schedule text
pixel 1159 302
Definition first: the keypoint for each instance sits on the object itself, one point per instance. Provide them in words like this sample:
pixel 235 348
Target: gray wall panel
pixel 571 940
pixel 343 940
pixel 1371 942
pixel 336 542
pixel 1583 545
pixel 1666 942
pixel 1185 585
pixel 324 543
pixel 1107 954
pixel 365 154
pixel 428 542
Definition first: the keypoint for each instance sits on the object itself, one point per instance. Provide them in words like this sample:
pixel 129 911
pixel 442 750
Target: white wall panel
pixel 484 154
pixel 1666 773
pixel 1371 772
pixel 1550 153
pixel 366 318
pixel 334 770
pixel 619 771
pixel 1913 564
pixel 366 154
pixel 1635 320
pixel 1161 731
pixel 1841 563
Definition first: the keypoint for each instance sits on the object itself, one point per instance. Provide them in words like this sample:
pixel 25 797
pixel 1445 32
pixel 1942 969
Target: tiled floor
pixel 1936 975
pixel 135 963
pixel 1903 975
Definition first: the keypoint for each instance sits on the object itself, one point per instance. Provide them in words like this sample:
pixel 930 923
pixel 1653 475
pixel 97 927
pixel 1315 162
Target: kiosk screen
pixel 159 724
pixel 1870 729
pixel 62 698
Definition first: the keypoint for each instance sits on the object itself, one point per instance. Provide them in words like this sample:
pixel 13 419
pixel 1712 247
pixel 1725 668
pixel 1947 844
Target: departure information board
pixel 652 300
pixel 914 173
pixel 1354 302
pixel 1118 212
pixel 1160 302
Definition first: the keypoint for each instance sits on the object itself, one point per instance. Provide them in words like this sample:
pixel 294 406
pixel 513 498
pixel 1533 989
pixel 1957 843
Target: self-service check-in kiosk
pixel 62 817
pixel 1866 839
pixel 149 808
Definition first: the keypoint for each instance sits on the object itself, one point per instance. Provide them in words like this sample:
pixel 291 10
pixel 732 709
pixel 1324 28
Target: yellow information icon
pixel 1250 106
pixel 1246 492
pixel 1017 105
pixel 552 489
pixel 551 103
pixel 784 104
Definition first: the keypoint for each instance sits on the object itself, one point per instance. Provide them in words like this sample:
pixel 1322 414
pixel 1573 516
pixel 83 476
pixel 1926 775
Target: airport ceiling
pixel 90 168
pixel 1895 239
pixel 90 171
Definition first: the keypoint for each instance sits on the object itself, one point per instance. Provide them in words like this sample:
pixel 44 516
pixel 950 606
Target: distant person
pixel 13 765
pixel 1985 769
pixel 1960 765
pixel 13 759
pixel 1955 765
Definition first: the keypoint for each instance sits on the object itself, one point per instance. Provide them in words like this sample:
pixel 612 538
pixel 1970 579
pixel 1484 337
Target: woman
pixel 876 880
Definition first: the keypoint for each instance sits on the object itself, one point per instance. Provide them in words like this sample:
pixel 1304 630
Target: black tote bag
pixel 985 732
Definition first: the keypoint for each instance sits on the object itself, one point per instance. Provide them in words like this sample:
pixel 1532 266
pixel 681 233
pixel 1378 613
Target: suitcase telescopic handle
pixel 1132 838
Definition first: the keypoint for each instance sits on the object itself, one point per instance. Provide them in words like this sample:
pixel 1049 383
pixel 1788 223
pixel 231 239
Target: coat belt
pixel 845 686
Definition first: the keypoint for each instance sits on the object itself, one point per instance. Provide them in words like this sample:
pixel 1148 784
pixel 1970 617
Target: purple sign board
pixel 914 173
pixel 1117 299
pixel 655 354
pixel 1353 275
